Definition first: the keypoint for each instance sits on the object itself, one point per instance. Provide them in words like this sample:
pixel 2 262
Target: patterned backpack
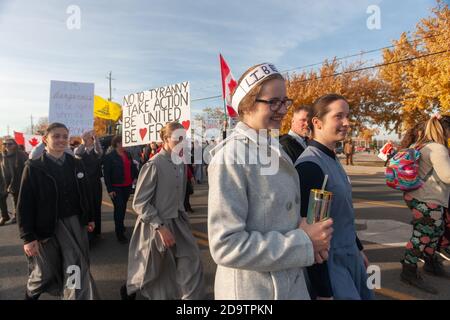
pixel 402 172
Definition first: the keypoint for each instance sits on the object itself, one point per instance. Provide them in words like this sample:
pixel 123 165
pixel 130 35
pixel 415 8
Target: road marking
pixel 394 294
pixel 380 203
pixel 443 256
pixel 200 234
pixel 387 232
pixel 203 242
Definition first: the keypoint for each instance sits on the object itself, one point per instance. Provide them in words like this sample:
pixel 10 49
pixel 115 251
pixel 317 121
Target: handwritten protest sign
pixel 145 113
pixel 72 103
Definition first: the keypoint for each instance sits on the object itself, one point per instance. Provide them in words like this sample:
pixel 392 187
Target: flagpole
pixel 224 133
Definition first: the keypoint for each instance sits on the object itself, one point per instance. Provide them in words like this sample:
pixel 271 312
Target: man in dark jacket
pixel 3 196
pixel 12 167
pixel 91 154
pixel 295 142
pixel 54 214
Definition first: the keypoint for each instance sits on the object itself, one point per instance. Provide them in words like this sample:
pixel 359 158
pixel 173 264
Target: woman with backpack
pixel 428 204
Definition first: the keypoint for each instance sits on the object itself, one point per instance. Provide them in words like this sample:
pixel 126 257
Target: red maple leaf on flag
pixel 34 142
pixel 228 86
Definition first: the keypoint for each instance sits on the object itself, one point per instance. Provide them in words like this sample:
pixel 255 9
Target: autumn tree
pixel 41 126
pixel 101 126
pixel 420 84
pixel 362 89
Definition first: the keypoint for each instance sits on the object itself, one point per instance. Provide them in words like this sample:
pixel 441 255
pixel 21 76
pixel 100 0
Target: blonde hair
pixel 167 130
pixel 434 132
pixel 247 104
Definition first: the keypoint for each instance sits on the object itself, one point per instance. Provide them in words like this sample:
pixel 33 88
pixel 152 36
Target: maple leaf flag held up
pixel 228 86
pixel 27 140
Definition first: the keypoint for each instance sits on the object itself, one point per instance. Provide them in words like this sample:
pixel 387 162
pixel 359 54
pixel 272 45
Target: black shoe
pixel 124 294
pixel 411 275
pixel 434 266
pixel 30 297
pixel 13 220
pixel 122 239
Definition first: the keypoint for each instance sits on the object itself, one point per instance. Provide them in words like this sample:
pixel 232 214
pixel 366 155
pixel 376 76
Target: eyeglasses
pixel 275 104
pixel 8 144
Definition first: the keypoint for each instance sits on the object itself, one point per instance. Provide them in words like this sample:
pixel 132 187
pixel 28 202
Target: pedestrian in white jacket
pixel 256 235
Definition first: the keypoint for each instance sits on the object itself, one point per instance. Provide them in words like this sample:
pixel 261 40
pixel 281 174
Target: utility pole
pixel 110 78
pixel 32 131
pixel 7 130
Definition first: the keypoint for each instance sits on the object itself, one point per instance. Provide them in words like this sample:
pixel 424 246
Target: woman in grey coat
pixel 164 259
pixel 255 232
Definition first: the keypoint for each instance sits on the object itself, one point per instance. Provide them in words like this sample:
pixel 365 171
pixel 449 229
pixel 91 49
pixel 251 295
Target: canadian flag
pixel 228 86
pixel 27 140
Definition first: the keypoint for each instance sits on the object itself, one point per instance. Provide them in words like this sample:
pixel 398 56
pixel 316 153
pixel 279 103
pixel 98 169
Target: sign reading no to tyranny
pixel 146 112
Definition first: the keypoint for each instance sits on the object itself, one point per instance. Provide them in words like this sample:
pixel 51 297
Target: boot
pixel 411 276
pixel 434 266
pixel 124 294
pixel 122 239
pixel 28 296
pixel 3 220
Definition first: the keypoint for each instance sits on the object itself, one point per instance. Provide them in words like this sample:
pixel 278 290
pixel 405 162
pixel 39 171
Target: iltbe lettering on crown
pixel 254 77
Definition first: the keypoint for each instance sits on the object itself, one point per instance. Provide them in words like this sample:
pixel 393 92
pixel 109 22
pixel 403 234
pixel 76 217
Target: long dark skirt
pixel 62 266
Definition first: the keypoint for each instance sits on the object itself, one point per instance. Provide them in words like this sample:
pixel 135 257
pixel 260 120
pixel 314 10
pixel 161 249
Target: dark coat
pixel 12 168
pixel 37 208
pixel 113 169
pixel 291 147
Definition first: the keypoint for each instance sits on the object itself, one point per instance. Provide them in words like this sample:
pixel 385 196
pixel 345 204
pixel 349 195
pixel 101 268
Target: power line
pixel 351 71
pixel 377 65
pixel 361 53
pixel 320 63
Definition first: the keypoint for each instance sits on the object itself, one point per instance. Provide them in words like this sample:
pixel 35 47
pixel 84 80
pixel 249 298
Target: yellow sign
pixel 106 109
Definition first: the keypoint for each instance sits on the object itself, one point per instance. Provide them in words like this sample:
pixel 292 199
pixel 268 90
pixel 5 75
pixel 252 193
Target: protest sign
pixel 72 103
pixel 145 113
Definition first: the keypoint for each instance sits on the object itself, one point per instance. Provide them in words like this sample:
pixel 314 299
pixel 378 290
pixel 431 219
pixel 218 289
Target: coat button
pixel 289 206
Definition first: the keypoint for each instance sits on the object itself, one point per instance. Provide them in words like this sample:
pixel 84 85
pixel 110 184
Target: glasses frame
pixel 275 104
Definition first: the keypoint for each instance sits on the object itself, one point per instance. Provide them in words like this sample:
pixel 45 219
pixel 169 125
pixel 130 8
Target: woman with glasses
pixel 255 232
pixel 164 260
pixel 54 214
pixel 12 166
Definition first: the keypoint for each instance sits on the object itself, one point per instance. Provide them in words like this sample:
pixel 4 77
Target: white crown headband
pixel 254 77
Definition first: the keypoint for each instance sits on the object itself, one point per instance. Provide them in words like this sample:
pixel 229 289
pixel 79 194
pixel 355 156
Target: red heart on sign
pixel 143 132
pixel 186 124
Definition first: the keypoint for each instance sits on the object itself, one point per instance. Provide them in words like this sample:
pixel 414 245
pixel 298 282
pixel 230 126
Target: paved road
pixel 382 224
